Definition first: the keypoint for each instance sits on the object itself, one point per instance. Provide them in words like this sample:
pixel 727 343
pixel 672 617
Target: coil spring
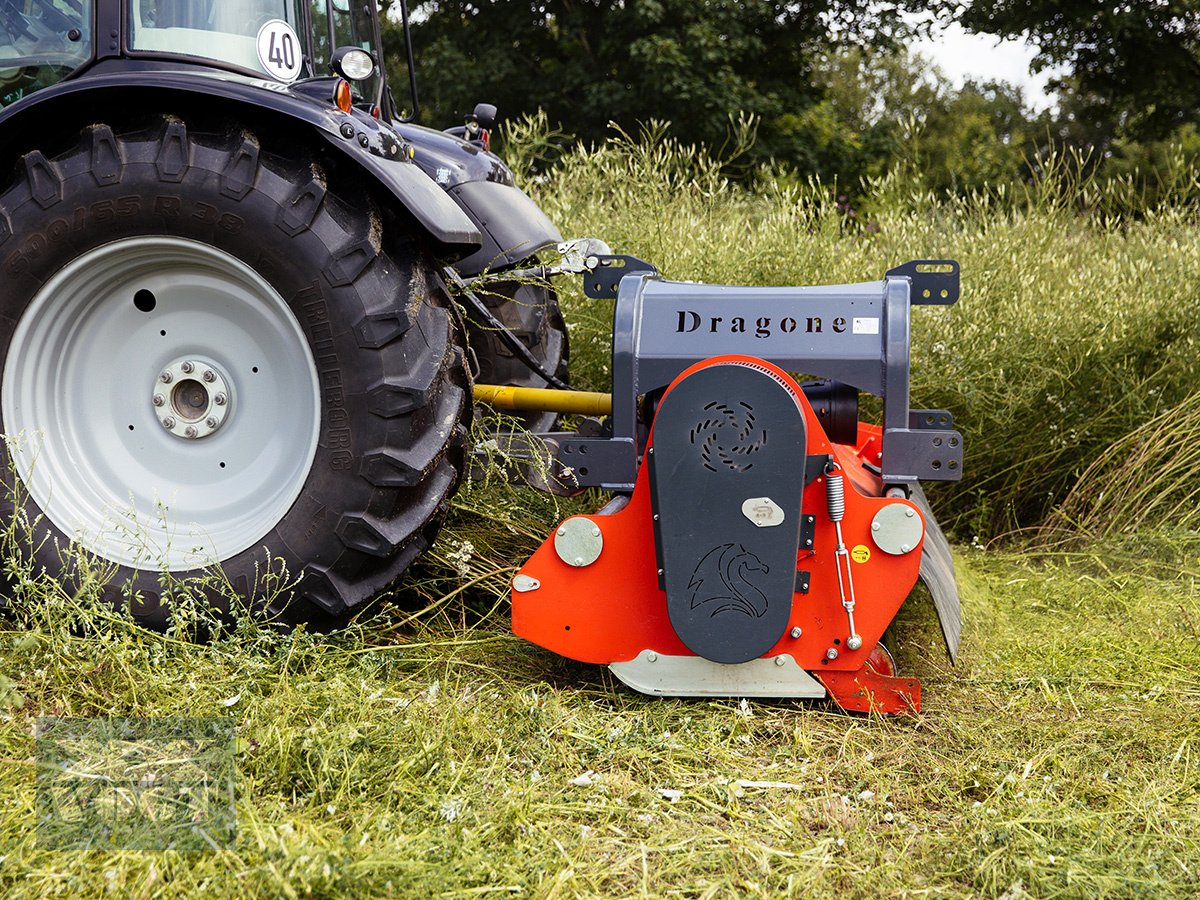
pixel 835 491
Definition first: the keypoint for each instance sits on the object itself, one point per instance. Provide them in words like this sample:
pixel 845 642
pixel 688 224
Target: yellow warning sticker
pixel 861 553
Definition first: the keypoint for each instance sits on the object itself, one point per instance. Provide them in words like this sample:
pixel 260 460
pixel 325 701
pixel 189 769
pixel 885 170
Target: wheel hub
pixel 192 398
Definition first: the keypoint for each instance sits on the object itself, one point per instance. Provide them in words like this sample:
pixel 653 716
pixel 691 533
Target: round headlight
pixel 352 63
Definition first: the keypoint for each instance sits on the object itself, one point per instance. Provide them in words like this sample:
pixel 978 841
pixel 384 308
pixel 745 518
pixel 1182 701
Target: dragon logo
pixel 721 582
pixel 727 436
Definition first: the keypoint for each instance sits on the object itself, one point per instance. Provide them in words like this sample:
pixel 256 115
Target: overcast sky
pixel 961 55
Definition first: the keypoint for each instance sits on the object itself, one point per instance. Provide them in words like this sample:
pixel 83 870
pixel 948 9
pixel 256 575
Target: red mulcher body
pixel 768 538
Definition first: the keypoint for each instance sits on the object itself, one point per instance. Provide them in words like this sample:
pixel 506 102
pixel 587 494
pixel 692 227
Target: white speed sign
pixel 279 50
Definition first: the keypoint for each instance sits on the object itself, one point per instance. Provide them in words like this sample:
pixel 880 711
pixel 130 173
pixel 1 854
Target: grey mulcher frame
pixel 857 334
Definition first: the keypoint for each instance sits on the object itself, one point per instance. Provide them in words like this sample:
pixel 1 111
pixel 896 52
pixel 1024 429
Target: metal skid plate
pixel 726 487
pixel 691 676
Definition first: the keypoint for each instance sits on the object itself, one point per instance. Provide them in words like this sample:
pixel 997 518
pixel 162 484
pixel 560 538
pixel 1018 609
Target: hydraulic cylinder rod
pixel 584 403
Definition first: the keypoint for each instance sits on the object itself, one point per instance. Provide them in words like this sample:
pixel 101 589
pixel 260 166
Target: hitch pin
pixel 835 493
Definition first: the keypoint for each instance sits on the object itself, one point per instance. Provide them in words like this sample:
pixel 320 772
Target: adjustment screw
pixel 220 399
pixel 190 431
pixel 168 422
pixel 904 548
pixel 188 367
pixel 831 653
pixel 874 526
pixel 562 532
pixel 166 377
pixel 211 422
pixel 780 661
pixel 595 532
pixel 159 400
pixel 210 376
pixel 796 632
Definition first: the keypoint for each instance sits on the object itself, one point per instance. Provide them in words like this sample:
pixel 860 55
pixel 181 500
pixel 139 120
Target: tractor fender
pixel 513 227
pixel 371 145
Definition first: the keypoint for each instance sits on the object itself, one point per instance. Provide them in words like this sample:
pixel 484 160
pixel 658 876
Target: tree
pixel 588 62
pixel 1135 63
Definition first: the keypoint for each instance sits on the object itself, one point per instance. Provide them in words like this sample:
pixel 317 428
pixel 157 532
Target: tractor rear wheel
pixel 218 361
pixel 530 311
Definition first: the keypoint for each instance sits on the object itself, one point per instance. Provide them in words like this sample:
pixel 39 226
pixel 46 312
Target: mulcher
pixel 246 303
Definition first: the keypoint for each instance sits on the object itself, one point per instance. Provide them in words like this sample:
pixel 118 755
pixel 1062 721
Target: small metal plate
pixel 523 584
pixel 897 529
pixel 693 676
pixel 763 512
pixel 578 541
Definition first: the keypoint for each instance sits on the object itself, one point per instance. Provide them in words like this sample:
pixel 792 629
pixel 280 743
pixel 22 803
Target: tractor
pixel 247 309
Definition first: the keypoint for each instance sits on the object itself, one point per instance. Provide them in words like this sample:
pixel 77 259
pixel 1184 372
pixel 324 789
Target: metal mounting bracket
pixel 935 282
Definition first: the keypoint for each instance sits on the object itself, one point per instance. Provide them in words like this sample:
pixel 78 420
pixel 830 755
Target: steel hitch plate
pixel 728 438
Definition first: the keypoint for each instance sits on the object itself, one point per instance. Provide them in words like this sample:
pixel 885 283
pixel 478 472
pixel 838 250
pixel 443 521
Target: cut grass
pixel 432 758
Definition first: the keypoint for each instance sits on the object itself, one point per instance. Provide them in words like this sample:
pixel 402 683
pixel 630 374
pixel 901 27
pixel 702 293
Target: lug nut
pixel 796 632
pixel 211 422
pixel 220 399
pixel 188 368
pixel 159 400
pixel 190 431
pixel 168 422
pixel 210 376
pixel 831 653
pixel 166 377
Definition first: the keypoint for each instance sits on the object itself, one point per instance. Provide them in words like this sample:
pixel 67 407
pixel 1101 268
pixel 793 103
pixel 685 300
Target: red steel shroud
pixel 612 610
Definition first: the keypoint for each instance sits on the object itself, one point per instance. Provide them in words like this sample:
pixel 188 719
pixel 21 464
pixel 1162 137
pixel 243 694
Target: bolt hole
pixel 837 640
pixel 953 464
pixel 953 442
pixel 255 370
pixel 131 428
pixel 163 333
pixel 145 301
pixel 567 627
pixel 824 661
pixel 583 471
pixel 222 465
pixel 936 464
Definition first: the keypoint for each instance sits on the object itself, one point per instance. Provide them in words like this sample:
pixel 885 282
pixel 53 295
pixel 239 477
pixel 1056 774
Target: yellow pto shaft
pixel 584 403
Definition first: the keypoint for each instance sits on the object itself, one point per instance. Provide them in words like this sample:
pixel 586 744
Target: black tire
pixel 530 311
pixel 394 394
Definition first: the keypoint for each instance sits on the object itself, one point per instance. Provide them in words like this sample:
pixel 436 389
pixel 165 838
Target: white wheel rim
pixel 87 439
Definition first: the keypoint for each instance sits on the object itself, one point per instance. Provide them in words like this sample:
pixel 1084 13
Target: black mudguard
pixel 512 225
pixel 937 573
pixel 369 144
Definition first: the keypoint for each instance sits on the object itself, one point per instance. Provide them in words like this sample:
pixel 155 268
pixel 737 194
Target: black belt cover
pixel 727 434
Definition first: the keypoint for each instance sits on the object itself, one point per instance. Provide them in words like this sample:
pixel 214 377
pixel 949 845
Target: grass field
pixel 428 752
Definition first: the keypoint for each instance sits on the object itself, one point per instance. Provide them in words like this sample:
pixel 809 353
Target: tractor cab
pixel 46 41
